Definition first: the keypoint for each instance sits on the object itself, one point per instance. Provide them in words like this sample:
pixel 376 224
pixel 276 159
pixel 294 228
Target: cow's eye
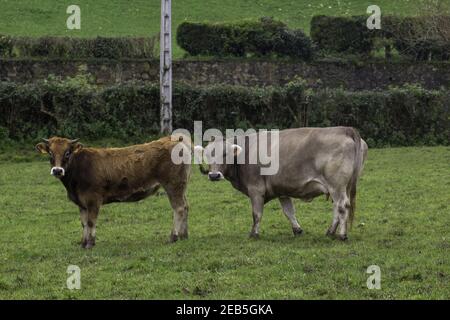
pixel 67 154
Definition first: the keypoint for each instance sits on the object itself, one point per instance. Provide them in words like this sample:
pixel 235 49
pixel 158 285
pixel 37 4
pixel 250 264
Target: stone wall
pixel 352 76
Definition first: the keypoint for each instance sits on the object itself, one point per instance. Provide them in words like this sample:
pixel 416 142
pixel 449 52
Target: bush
pixel 397 117
pixel 199 38
pixel 73 48
pixel 342 34
pixel 293 43
pixel 5 46
pixel 258 38
pixel 421 37
pixel 74 108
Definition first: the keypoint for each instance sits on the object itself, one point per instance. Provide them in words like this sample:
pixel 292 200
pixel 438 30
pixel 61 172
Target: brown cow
pixel 93 177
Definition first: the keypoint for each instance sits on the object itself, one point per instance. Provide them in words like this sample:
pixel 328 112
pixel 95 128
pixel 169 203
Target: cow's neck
pixel 70 183
pixel 68 177
pixel 233 175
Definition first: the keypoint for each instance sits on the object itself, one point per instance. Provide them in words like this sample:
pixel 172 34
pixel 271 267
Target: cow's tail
pixel 358 162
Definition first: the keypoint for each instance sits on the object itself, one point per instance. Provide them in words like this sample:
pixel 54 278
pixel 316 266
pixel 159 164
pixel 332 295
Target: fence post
pixel 166 67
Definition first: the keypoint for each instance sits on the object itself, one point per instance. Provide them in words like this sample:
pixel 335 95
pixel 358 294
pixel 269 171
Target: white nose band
pixel 52 171
pixel 218 172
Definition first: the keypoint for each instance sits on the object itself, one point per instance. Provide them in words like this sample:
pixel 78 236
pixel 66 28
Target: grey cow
pixel 312 162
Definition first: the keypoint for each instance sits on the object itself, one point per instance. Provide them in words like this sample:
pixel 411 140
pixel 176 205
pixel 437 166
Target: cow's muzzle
pixel 57 172
pixel 215 176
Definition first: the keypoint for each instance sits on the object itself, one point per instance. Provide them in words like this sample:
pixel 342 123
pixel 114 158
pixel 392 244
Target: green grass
pixel 142 17
pixel 402 225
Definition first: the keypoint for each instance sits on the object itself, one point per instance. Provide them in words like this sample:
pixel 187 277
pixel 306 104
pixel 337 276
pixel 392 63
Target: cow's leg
pixel 89 222
pixel 257 210
pixel 335 223
pixel 184 221
pixel 289 211
pixel 180 208
pixel 84 221
pixel 343 209
pixel 341 205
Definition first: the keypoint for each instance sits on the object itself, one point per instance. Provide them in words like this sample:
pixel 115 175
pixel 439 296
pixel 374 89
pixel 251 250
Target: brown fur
pixel 95 176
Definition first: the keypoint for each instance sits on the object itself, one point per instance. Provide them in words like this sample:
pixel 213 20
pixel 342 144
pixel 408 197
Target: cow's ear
pixel 77 147
pixel 236 149
pixel 42 147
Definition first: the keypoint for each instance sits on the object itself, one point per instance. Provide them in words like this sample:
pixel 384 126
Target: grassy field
pixel 142 17
pixel 402 225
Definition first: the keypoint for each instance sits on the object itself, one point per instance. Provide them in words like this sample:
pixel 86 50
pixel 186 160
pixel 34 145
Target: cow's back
pixel 127 174
pixel 307 157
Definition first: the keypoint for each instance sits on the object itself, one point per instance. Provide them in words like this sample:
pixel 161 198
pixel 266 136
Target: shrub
pixel 398 117
pixel 5 46
pixel 66 47
pixel 293 43
pixel 198 38
pixel 421 37
pixel 342 34
pixel 258 38
pixel 408 115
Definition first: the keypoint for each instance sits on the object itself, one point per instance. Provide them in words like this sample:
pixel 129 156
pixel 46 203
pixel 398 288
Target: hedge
pixel 67 47
pixel 419 38
pixel 412 36
pixel 398 117
pixel 342 34
pixel 249 37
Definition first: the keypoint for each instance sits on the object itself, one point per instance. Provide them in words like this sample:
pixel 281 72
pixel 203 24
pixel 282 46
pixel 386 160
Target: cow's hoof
pixel 173 238
pixel 183 236
pixel 254 235
pixel 297 231
pixel 343 237
pixel 330 234
pixel 89 245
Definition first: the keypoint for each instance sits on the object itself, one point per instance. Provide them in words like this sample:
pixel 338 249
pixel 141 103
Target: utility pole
pixel 166 67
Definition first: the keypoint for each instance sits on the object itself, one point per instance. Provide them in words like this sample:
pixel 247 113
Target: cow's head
pixel 61 151
pixel 217 155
